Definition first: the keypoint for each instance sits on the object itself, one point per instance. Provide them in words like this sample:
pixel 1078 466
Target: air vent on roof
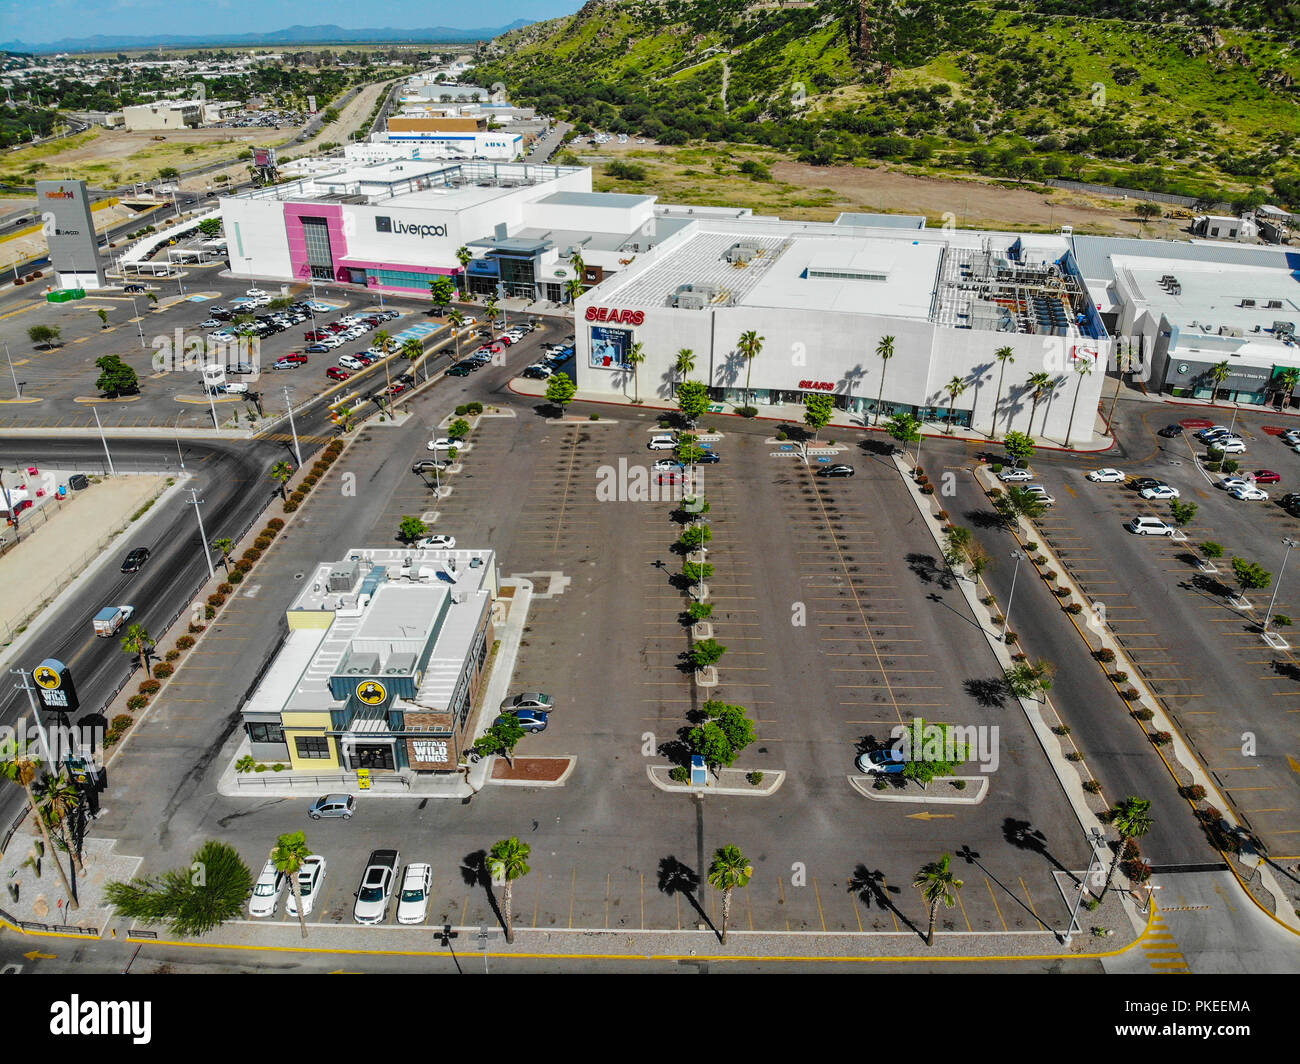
pixel 1247 302
pixel 1273 304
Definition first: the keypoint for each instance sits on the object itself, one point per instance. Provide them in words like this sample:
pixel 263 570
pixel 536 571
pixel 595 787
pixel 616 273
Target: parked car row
pixel 374 894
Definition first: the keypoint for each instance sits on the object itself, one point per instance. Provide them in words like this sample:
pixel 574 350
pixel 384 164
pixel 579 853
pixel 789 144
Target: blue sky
pixel 51 20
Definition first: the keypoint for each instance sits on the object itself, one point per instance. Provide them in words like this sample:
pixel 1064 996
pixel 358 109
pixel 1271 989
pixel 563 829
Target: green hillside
pixel 1114 91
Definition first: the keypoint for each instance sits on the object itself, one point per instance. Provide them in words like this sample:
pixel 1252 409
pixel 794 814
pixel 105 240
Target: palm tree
pixel 728 870
pixel 1041 383
pixel 289 853
pixel 635 356
pixel 573 289
pixel 885 351
pixel 1003 355
pixel 750 345
pixel 576 264
pixel 492 311
pixel 281 471
pixel 1218 374
pixel 508 861
pixel 1287 379
pixel 1081 368
pixel 22 770
pixel 412 348
pixel 955 387
pixel 937 884
pixel 684 365
pixel 384 341
pixel 226 546
pixel 1132 820
pixel 463 256
pixel 457 320
pixel 60 798
pixel 138 642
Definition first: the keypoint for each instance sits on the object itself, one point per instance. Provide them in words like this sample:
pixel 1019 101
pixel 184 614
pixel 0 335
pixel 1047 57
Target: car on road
pixel 265 898
pixel 1266 476
pixel 469 319
pixel 334 373
pixel 376 887
pixel 461 370
pixel 1149 526
pixel 413 901
pixel 442 443
pixel 1142 483
pixel 1170 431
pixel 1011 476
pixel 1160 491
pixel 311 877
pixel 528 700
pixel 133 288
pixel 436 543
pixel 318 349
pixel 1291 500
pixel 256 293
pixel 1230 446
pixel 531 720
pixel 395 389
pixel 886 762
pixel 1106 476
pixel 428 465
pixel 835 471
pixel 135 560
pixel 1249 493
pixel 333 805
pixel 662 443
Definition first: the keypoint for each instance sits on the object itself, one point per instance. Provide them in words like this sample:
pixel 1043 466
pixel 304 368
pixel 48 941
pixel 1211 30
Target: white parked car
pixel 310 877
pixel 1233 483
pixel 442 443
pixel 1249 493
pixel 1231 446
pixel 666 465
pixel 348 362
pixel 255 292
pixel 1149 526
pixel 436 543
pixel 267 890
pixel 662 443
pixel 1011 476
pixel 414 900
pixel 1037 491
pixel 1106 476
pixel 1162 492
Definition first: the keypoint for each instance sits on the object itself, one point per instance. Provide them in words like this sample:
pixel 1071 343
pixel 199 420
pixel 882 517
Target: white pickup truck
pixel 111 618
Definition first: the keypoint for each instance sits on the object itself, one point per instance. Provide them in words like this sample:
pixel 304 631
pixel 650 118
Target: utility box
pixel 78 482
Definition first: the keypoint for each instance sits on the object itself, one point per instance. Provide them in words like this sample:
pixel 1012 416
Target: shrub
pixel 881 783
pixel 290 507
pixel 593 417
pixel 1231 465
pixel 1213 467
pixel 224 589
pixel 209 611
pixel 1119 677
pixel 150 687
pixel 1063 592
pixel 680 774
pixel 216 599
pixel 997 467
pixel 754 778
pixel 122 721
pixel 241 566
pixel 164 670
pixel 1144 714
pixel 997 618
pixel 927 489
pixel 989 600
pixel 275 523
pixel 197 627
pixel 172 654
pixel 261 543
pixel 1162 738
pixel 1061 729
pixel 919 473
pixel 474 407
pixel 309 481
pixel 1194 791
pixel 237 577
pixel 1282 620
pixel 1031 547
pixel 748 411
pixel 1092 787
pixel 1105 654
pixel 134 702
pixel 252 554
pixel 245 763
pixel 268 533
pixel 1011 637
pixel 1073 607
pixel 259 767
pixel 1050 576
pixel 942 515
pixel 1074 755
pixel 1130 694
pixel 298 496
pixel 1019 656
pixel 462 410
pixel 781 434
pixel 1211 549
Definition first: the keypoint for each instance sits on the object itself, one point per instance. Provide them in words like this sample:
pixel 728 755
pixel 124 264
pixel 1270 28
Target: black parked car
pixel 1170 431
pixel 709 458
pixel 836 471
pixel 1142 483
pixel 135 560
pixel 461 370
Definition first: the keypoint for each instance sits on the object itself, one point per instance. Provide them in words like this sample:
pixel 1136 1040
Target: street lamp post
pixel 1278 583
pixel 1097 839
pixel 1006 620
pixel 103 440
pixel 1151 890
pixel 26 684
pixel 297 451
pixel 18 391
pixel 207 553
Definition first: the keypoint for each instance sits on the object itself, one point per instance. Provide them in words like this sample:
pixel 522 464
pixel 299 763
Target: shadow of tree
pixel 678 751
pixel 928 571
pixel 985 519
pixel 1024 836
pixel 474 871
pixel 676 877
pixel 988 691
pixel 869 886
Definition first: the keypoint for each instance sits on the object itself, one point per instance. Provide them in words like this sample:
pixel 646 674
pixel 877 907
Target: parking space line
pixel 573 889
pixel 996 906
pixel 962 906
pixel 818 895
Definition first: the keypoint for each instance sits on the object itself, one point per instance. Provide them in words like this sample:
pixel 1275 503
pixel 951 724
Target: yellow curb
pixel 97 399
pixel 20 401
pixel 200 400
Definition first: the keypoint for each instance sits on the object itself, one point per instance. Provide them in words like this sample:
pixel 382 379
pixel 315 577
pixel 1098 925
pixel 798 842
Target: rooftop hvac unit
pixel 1247 303
pixel 691 301
pixel 1274 304
pixel 1283 329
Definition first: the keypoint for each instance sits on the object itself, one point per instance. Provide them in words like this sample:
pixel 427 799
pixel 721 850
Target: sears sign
pixel 614 316
pixel 385 224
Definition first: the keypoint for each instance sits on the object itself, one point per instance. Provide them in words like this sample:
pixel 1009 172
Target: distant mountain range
pixel 291 35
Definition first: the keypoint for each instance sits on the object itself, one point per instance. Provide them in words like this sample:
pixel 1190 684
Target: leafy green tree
pixel 905 428
pixel 1132 820
pixel 938 756
pixel 48 335
pixel 818 410
pixel 733 721
pixel 688 451
pixel 501 738
pixel 1251 576
pixel 442 290
pixel 635 356
pixel 728 870
pixel 937 885
pixel 193 899
pixel 695 537
pixel 283 473
pixel 1030 679
pixel 695 572
pixel 750 346
pixel 693 400
pixel 1182 512
pixel 1003 355
pixel 288 856
pixel 18 768
pixel 226 546
pixel 115 377
pixel 1146 210
pixel 1020 447
pixel 138 642
pixel 884 351
pixel 707 652
pixel 508 861
pixel 458 429
pixel 684 363
pixel 560 390
pixel 411 529
pixel 1015 503
pixel 210 227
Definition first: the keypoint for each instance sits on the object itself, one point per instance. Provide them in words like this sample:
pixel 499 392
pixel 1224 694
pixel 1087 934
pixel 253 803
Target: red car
pixel 491 349
pixel 315 334
pixel 336 374
pixel 336 327
pixel 506 340
pixel 395 389
pixel 1266 476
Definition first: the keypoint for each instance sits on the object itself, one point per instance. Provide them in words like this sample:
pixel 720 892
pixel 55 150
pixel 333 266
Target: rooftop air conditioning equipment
pixel 1274 304
pixel 1247 302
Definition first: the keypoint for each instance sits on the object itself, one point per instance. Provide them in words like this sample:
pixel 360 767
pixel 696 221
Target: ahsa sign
pixel 614 316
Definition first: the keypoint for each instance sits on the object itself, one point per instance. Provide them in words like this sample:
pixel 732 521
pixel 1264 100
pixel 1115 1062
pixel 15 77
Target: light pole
pixel 1277 584
pixel 1006 620
pixel 25 683
pixel 18 392
pixel 179 455
pixel 135 309
pixel 1151 890
pixel 207 554
pixel 297 451
pixel 1097 839
pixel 104 441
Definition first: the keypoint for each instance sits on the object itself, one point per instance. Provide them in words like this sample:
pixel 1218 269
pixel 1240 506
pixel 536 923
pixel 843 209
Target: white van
pixel 1149 526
